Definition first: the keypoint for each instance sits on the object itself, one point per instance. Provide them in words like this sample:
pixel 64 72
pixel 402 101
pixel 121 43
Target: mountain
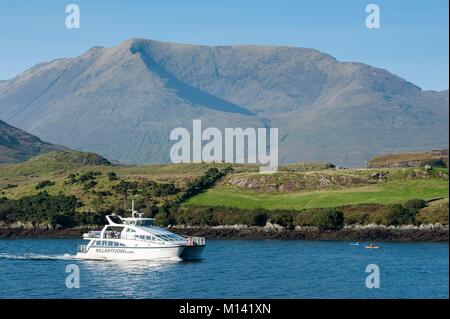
pixel 122 102
pixel 17 146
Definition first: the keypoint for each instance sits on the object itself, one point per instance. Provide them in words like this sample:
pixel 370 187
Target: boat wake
pixel 37 257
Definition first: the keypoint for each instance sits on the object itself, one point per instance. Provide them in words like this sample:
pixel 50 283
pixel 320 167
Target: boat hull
pixel 192 252
pixel 131 253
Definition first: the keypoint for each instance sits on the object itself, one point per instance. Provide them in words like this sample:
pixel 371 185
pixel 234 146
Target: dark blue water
pixel 230 269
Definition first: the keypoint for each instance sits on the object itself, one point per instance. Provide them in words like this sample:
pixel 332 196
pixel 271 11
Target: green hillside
pixel 20 180
pixel 168 190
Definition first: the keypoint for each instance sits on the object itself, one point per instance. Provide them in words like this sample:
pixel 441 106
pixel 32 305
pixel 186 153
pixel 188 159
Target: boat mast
pixel 133 212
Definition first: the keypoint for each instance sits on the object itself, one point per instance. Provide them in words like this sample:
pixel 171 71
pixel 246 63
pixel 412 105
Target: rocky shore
pixel 425 233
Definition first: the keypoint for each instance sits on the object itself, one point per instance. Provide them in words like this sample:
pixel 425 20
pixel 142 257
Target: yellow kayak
pixel 372 247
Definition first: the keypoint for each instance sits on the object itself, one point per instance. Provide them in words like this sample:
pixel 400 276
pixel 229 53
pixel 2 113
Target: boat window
pixel 98 243
pixel 116 219
pixel 144 222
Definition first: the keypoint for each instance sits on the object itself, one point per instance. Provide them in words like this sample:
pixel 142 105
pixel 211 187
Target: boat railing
pixel 92 234
pixel 195 241
pixel 82 248
pixel 137 237
pixel 106 234
pixel 112 234
pixel 155 241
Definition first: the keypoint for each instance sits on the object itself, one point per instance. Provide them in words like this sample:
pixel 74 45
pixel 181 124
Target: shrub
pixel 9 186
pixel 124 186
pixel 434 213
pixel 40 208
pixel 159 189
pixel 304 218
pixel 415 204
pixel 195 216
pixel 360 218
pixel 92 218
pixel 283 218
pixel 71 179
pixel 104 193
pixel 208 179
pixel 329 219
pixel 112 176
pixel 88 176
pixel 433 163
pixel 258 219
pixel 44 184
pixel 398 215
pixel 164 219
pixel 89 184
pixel 62 220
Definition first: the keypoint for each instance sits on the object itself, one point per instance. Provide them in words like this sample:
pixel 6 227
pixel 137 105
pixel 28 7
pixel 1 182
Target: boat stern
pixel 194 248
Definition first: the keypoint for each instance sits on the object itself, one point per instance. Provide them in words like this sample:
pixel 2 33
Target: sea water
pixel 39 268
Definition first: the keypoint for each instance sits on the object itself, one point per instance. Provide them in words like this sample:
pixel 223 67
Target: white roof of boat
pixel 154 230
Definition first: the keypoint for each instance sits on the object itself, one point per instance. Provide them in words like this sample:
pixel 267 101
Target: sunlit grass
pixel 397 191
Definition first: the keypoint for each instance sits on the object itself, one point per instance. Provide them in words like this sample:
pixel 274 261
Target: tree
pixel 398 215
pixel 89 184
pixel 44 184
pixel 415 204
pixel 329 219
pixel 112 176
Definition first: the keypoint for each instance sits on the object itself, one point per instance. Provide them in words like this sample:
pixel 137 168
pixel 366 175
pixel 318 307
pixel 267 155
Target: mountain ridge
pixel 344 112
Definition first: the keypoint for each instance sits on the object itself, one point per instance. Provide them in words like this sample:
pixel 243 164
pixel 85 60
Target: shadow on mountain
pixel 190 93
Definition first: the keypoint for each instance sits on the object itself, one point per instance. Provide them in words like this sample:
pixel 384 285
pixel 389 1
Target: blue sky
pixel 412 41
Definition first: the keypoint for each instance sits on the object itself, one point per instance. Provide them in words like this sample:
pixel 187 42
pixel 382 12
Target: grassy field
pixel 396 191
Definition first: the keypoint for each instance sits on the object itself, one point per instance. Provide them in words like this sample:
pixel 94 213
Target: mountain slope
pixel 17 146
pixel 122 102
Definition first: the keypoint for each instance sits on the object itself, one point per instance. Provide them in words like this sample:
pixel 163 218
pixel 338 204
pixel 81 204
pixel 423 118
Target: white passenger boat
pixel 136 238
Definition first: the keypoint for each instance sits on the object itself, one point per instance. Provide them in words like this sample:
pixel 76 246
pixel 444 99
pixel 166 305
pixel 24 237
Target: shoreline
pixel 431 233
